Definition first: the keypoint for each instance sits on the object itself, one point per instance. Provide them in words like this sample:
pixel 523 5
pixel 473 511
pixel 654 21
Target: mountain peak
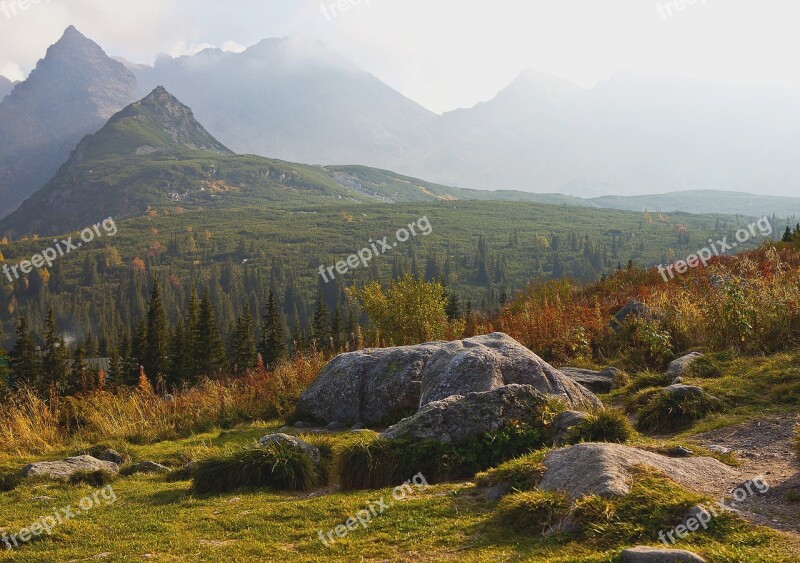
pixel 157 122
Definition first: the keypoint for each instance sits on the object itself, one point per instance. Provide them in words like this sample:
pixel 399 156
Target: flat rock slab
pixel 605 470
pixel 64 469
pixel 643 554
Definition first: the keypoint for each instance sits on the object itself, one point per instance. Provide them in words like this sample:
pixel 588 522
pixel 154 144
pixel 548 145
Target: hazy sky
pixel 442 53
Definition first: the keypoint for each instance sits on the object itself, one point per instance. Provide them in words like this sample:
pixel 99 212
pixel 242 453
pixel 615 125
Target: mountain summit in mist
pixel 72 91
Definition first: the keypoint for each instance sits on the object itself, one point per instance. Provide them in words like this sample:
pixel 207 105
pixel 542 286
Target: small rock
pixel 293 442
pixel 680 367
pixel 335 426
pixel 168 399
pixel 678 391
pixel 300 425
pixel 496 492
pixel 147 467
pixel 718 449
pixel 64 469
pixel 643 554
pixel 357 426
pixel 679 451
pixel 563 422
pixel 677 381
pixel 284 429
pixel 113 456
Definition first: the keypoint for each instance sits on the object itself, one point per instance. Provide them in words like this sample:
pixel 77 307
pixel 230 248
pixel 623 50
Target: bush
pixel 608 425
pixel 98 478
pixel 521 474
pixel 377 462
pixel 278 466
pixel 666 413
pixel 537 512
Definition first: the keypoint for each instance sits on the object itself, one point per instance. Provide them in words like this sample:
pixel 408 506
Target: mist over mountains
pixel 299 101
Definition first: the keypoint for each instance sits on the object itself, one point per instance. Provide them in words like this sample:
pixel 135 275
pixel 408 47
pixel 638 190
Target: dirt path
pixel 766 448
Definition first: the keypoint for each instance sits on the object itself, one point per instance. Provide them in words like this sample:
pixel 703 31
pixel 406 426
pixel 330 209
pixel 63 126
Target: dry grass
pixel 31 425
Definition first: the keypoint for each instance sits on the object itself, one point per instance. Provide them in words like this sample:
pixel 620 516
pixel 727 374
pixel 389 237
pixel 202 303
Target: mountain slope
pixel 294 100
pixel 72 91
pixel 153 155
pixel 5 87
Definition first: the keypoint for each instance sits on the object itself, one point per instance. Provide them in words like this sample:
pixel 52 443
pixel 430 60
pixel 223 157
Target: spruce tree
pixel 24 361
pixel 155 353
pixel 54 360
pixel 337 330
pixel 5 364
pixel 210 352
pixel 245 354
pixel 321 325
pixel 273 337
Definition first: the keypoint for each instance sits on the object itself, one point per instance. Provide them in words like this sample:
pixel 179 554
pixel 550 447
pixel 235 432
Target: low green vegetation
pixel 374 462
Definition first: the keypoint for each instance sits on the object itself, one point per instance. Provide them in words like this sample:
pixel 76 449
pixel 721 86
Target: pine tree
pixel 453 309
pixel 78 376
pixel 5 364
pixel 245 355
pixel 24 361
pixel 273 337
pixel 321 325
pixel 116 369
pixel 337 329
pixel 54 361
pixel 155 353
pixel 210 351
pixel 787 235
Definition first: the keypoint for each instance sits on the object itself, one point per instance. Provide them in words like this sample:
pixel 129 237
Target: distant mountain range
pixel 71 92
pixel 154 156
pixel 298 101
pixel 632 134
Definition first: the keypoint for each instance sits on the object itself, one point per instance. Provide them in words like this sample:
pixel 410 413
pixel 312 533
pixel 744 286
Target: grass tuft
pixel 667 413
pixel 277 466
pixel 609 425
pixel 537 512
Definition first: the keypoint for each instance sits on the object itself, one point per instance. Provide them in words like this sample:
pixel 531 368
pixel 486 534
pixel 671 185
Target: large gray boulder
pixel 64 469
pixel 681 366
pixel 369 386
pixel 382 385
pixel 605 469
pixel 458 418
pixel 644 554
pixel 490 361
